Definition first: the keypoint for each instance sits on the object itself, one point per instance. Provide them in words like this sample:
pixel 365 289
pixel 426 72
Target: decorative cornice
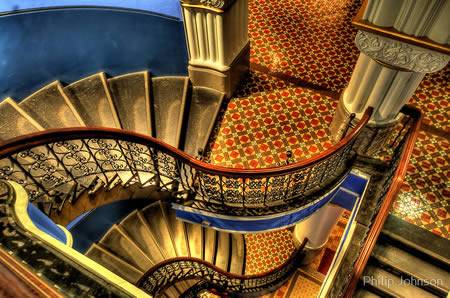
pixel 208 4
pixel 400 54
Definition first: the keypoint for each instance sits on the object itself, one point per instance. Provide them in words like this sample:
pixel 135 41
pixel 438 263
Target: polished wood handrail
pixel 391 195
pixel 66 134
pixel 298 251
pixel 393 33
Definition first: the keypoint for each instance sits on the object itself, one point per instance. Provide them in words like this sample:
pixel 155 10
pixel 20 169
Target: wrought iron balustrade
pixel 56 166
pixel 168 273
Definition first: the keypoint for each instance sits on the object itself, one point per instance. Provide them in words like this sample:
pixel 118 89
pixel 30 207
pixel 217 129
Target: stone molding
pixel 400 54
pixel 218 4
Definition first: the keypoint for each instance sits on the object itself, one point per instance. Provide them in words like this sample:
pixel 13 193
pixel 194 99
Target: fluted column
pixel 317 228
pixel 386 75
pixel 217 40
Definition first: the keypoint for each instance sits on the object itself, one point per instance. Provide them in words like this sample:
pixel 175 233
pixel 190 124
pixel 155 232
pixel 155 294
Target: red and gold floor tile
pixel 266 251
pixel 257 131
pixel 425 195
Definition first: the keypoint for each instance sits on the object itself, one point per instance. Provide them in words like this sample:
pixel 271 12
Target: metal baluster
pixel 348 125
pixel 222 195
pixel 154 156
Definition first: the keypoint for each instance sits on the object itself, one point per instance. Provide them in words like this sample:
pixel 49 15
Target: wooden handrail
pixel 391 195
pixel 30 141
pixel 229 275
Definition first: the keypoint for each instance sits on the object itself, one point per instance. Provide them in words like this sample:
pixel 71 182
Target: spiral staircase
pixel 98 140
pixel 152 235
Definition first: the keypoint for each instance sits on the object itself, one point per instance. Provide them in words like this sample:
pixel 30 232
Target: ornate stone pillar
pixel 400 41
pixel 317 228
pixel 217 41
pixel 386 75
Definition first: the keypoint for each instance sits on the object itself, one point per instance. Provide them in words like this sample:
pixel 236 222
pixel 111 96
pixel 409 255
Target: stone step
pixel 93 101
pixel 410 267
pixel 15 121
pixel 51 107
pixel 390 284
pixel 204 108
pixel 131 96
pixel 168 96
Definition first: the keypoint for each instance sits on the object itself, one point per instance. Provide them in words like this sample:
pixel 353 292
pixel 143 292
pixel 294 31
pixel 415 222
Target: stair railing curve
pixel 47 163
pixel 167 273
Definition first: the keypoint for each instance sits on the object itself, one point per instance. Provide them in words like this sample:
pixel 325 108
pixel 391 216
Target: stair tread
pixel 118 243
pixel 204 107
pixel 130 94
pixel 179 234
pixel 223 250
pixel 417 239
pixel 114 263
pixel 195 236
pixel 392 284
pixel 237 254
pixel 411 265
pixel 15 121
pixel 160 230
pixel 51 98
pixel 169 99
pixel 210 245
pixel 363 293
pixel 149 244
pixel 91 98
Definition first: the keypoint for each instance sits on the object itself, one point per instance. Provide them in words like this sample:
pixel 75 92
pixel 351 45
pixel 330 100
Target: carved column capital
pixel 214 4
pixel 400 54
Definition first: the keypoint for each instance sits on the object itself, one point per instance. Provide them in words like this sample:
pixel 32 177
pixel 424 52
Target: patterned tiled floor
pixel 425 196
pixel 257 131
pixel 266 251
pixel 311 40
pixel 302 55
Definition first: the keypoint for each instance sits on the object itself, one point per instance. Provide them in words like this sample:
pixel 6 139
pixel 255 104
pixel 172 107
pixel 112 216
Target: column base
pixel 223 81
pixel 311 254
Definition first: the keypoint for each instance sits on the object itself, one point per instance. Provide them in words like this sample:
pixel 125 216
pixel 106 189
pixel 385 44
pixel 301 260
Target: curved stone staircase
pixel 152 235
pixel 168 108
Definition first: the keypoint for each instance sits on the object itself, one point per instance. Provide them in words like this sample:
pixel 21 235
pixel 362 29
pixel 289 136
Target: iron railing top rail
pixel 391 195
pixel 30 141
pixel 293 256
pixel 232 277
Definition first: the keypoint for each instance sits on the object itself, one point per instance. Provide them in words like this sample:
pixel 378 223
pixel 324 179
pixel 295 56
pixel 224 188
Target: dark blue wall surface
pixel 67 44
pixel 91 227
pixel 45 224
pixel 167 7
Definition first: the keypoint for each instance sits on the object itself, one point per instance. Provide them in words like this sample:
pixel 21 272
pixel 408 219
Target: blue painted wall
pixel 90 228
pixel 45 224
pixel 166 7
pixel 38 47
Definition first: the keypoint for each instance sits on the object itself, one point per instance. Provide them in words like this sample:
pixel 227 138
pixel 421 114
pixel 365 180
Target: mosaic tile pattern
pixel 258 131
pixel 425 196
pixel 433 99
pixel 266 251
pixel 311 39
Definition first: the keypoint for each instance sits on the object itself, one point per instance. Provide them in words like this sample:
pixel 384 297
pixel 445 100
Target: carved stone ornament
pixel 400 54
pixel 219 4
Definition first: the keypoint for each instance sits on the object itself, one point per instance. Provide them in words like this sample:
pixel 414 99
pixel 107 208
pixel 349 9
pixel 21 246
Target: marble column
pixel 317 228
pixel 218 43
